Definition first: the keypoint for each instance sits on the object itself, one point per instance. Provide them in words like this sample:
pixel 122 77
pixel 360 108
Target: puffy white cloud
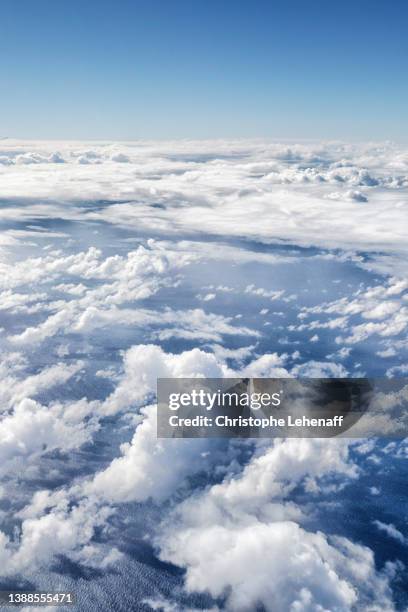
pixel 244 523
pixel 28 428
pixel 143 364
pixel 281 467
pixel 350 195
pixel 279 566
pixel 18 301
pixel 13 389
pixel 225 187
pixel 269 365
pixel 261 292
pixel 320 369
pixel 137 276
pixel 154 468
pixel 120 158
pixel 384 306
pixel 62 288
pixel 34 429
pixel 61 531
pixel 148 467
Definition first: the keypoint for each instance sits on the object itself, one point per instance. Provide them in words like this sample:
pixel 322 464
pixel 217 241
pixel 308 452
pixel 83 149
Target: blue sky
pixel 131 69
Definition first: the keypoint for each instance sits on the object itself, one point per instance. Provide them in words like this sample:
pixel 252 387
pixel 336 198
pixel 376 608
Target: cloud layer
pixel 122 262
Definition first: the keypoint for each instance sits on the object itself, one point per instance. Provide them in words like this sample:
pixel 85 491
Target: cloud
pixel 278 566
pixel 391 531
pixel 143 364
pixel 244 523
pixel 61 531
pixel 137 276
pixel 269 365
pixel 33 429
pixel 13 389
pixel 350 196
pixel 188 180
pixel 148 467
pixel 120 158
pixel 384 306
pixel 101 260
pixel 320 369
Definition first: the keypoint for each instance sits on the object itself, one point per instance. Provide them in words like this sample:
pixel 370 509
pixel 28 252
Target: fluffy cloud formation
pixel 225 187
pixel 383 309
pixel 143 364
pixel 278 566
pixel 122 262
pixel 245 523
pixel 33 428
pixel 14 388
pixel 61 531
pixel 29 429
pixel 149 468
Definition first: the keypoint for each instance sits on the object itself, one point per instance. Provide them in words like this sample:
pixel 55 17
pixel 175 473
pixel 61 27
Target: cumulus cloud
pixel 245 523
pixel 279 566
pixel 149 468
pixel 143 364
pixel 269 365
pixel 62 531
pixel 13 389
pixel 350 195
pixel 108 247
pixel 34 429
pixel 174 174
pixel 382 311
pixel 320 369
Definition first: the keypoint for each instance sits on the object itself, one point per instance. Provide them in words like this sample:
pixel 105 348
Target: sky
pixel 204 69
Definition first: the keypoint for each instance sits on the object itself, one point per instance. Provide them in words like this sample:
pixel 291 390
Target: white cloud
pixel 277 565
pixel 269 365
pixel 13 389
pixel 185 173
pixel 244 523
pixel 58 532
pixel 242 538
pixel 143 364
pixel 350 196
pixel 320 369
pixel 148 467
pixel 34 429
pixel 390 530
pixel 383 305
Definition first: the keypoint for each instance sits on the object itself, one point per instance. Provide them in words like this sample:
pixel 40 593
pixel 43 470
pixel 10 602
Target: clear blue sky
pixel 125 69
